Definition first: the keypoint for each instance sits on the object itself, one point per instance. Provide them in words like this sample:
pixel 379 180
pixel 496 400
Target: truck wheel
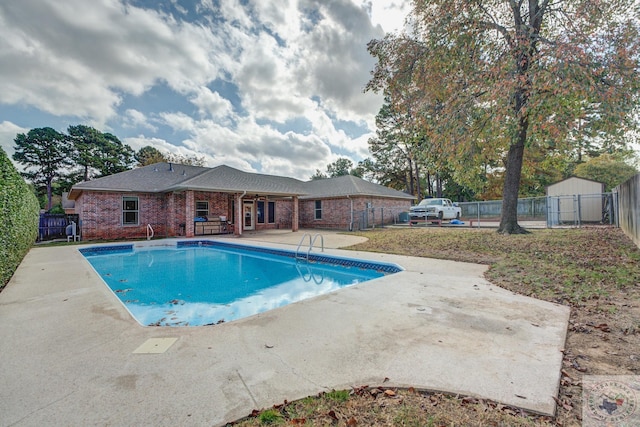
pixel 440 215
pixel 457 215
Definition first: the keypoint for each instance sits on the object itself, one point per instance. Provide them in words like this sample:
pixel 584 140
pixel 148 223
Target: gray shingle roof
pixel 162 177
pixel 227 179
pixel 154 178
pixel 349 185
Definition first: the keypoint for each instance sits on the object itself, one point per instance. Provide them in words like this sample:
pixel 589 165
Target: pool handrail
pixel 312 242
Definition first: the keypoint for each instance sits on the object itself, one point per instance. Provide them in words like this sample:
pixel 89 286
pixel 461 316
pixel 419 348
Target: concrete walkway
pixel 72 354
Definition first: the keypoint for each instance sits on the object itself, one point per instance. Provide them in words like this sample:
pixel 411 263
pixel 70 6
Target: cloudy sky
pixel 273 86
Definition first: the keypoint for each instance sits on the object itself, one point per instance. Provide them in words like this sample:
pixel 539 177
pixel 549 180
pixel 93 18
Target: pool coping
pixel 68 346
pixel 310 255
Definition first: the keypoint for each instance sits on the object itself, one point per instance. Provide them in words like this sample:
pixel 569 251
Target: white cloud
pixel 77 57
pixel 211 104
pixel 389 15
pixel 8 133
pixel 133 118
pixel 295 61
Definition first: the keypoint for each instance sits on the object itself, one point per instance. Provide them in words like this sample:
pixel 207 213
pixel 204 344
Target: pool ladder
pixel 312 241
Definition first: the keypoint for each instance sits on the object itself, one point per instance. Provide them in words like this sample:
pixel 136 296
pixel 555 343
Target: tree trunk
pixel 509 219
pixel 418 182
pixel 49 193
pixel 411 185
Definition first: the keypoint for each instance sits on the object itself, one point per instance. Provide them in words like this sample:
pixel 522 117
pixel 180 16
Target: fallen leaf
pixel 565 373
pixel 352 422
pixel 577 367
pixel 390 392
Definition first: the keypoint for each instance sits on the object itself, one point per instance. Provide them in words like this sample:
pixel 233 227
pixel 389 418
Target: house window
pixel 260 213
pixel 318 209
pixel 202 209
pixel 272 213
pixel 130 211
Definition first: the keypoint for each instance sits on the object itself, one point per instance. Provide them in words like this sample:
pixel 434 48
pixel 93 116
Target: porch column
pixel 296 214
pixel 237 227
pixel 188 214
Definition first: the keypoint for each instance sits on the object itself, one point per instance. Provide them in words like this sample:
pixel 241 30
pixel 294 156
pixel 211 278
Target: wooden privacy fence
pixel 54 226
pixel 629 202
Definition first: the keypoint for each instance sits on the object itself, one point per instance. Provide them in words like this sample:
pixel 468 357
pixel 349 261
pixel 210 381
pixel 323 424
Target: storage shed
pixel 575 200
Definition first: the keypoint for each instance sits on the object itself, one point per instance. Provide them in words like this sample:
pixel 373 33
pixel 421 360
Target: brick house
pixel 182 200
pixel 351 203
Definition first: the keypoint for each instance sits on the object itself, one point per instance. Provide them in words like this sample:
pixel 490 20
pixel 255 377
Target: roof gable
pixel 153 178
pixel 349 185
pixel 227 179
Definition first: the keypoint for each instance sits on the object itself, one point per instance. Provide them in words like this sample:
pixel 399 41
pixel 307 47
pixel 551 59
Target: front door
pixel 248 216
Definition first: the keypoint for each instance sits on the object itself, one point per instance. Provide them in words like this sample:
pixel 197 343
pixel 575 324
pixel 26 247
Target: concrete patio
pixel 73 355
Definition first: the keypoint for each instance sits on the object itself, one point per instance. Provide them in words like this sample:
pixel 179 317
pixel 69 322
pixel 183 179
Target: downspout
pixel 351 210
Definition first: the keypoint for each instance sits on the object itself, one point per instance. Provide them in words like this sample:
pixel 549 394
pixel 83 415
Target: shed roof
pixel 574 178
pixel 575 185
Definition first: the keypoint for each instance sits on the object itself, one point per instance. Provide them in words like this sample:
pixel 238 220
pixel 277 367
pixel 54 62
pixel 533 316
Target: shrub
pixel 19 210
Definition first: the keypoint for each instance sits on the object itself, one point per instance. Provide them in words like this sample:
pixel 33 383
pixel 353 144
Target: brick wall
pixel 218 203
pixel 101 213
pixel 336 213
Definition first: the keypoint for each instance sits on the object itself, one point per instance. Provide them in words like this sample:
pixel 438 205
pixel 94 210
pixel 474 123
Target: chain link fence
pixel 550 211
pixel 540 212
pixel 379 217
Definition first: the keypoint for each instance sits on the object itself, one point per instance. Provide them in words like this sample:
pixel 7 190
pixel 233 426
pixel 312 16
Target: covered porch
pixel 208 213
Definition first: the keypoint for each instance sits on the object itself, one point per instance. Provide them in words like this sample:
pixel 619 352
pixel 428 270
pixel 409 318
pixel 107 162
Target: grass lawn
pixel 595 271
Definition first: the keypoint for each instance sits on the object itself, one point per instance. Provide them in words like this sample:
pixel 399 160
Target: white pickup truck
pixel 429 209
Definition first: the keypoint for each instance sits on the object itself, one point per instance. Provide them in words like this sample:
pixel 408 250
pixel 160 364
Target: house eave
pixel 340 196
pixel 249 191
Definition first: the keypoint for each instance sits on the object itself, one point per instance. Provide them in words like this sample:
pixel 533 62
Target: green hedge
pixel 19 213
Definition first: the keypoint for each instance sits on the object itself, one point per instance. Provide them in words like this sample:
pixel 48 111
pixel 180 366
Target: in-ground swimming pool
pixel 206 282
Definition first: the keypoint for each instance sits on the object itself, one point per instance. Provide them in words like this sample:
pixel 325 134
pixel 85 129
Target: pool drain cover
pixel 155 345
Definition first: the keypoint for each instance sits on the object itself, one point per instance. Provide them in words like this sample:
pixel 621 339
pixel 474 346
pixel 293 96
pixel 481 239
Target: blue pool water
pixel 203 283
